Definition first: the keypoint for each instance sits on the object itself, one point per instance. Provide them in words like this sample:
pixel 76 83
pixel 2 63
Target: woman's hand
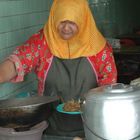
pixel 77 138
pixel 7 71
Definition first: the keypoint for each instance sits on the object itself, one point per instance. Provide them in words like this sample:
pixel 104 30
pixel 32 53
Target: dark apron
pixel 70 79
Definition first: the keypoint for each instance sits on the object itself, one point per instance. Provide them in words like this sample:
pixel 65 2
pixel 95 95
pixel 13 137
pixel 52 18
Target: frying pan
pixel 25 112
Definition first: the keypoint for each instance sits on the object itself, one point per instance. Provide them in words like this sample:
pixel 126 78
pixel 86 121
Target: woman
pixel 69 56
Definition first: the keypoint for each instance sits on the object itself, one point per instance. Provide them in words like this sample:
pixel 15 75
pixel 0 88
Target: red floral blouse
pixel 34 55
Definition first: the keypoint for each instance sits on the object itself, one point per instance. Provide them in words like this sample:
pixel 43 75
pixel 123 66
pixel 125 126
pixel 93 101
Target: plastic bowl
pixel 60 109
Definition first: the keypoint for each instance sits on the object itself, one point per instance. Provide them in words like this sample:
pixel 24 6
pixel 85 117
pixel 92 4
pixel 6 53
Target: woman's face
pixel 67 29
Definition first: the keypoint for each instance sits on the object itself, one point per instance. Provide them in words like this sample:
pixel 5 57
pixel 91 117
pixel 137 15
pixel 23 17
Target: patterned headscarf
pixel 87 42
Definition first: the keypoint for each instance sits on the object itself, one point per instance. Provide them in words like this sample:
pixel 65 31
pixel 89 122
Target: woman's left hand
pixel 77 138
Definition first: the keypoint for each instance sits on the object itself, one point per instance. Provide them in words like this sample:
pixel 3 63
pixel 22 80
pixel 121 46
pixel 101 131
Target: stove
pixel 34 133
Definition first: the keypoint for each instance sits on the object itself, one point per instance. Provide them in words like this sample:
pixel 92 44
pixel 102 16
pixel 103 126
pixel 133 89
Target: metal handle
pixel 118 88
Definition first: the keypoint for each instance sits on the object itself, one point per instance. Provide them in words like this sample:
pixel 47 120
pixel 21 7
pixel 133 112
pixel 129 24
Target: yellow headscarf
pixel 87 42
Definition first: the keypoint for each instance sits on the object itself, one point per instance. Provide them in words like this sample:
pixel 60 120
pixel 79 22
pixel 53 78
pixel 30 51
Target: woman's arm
pixel 7 71
pixel 22 61
pixel 107 72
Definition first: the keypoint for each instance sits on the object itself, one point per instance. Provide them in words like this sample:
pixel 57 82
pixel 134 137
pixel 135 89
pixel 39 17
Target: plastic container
pixel 35 133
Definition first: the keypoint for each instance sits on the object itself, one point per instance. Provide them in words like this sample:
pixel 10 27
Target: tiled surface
pixel 19 19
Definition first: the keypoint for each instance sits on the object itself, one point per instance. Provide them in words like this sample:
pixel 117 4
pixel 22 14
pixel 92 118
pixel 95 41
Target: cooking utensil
pixel 25 112
pixel 112 113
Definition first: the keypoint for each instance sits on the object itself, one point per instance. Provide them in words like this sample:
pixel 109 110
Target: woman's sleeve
pixel 107 72
pixel 26 57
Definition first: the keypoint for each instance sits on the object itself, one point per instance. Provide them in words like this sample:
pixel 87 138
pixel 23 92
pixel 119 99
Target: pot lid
pixel 113 91
pixel 27 102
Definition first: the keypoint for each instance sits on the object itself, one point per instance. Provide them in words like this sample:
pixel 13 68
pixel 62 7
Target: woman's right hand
pixel 7 71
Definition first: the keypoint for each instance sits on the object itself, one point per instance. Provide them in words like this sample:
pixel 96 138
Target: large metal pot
pixel 112 112
pixel 22 113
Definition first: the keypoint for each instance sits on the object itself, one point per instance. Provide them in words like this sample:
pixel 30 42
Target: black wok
pixel 25 112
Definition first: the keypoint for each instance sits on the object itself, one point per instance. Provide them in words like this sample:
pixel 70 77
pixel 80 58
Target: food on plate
pixel 71 106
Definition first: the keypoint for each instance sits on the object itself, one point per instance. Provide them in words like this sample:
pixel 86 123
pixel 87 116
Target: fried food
pixel 71 106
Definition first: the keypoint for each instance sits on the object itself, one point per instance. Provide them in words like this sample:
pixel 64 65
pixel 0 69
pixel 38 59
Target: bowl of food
pixel 70 107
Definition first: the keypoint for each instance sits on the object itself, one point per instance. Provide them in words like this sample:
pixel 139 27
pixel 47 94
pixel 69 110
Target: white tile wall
pixel 19 19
